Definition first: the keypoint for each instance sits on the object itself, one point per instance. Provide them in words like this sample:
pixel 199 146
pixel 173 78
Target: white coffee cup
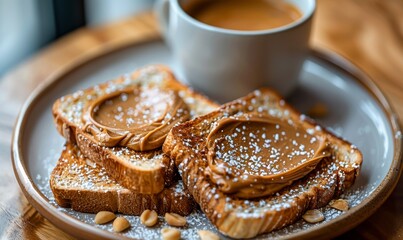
pixel 226 64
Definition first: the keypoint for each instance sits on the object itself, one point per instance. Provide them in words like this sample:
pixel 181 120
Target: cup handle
pixel 161 9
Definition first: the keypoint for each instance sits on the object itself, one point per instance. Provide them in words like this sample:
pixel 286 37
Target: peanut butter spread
pixel 139 118
pixel 256 155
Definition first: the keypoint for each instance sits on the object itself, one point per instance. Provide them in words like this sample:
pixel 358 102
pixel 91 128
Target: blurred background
pixel 26 26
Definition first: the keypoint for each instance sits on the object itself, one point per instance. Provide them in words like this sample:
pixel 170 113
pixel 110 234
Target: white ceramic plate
pixel 358 112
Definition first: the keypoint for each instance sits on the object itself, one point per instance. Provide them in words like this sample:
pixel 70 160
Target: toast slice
pixel 146 172
pixel 236 216
pixel 79 183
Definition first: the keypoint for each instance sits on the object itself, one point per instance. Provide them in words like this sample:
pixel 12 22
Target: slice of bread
pixel 245 218
pixel 79 183
pixel 145 172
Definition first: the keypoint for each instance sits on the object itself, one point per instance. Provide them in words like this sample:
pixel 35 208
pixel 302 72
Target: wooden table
pixel 367 32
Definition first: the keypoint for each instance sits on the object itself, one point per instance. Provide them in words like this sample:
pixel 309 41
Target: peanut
pixel 313 216
pixel 339 204
pixel 104 217
pixel 149 218
pixel 120 224
pixel 175 220
pixel 208 235
pixel 170 234
pixel 319 110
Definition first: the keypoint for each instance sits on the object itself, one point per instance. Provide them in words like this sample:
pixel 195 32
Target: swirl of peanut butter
pixel 138 118
pixel 257 155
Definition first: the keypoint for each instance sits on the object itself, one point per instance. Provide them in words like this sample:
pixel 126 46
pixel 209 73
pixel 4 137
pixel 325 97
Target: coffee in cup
pixel 244 15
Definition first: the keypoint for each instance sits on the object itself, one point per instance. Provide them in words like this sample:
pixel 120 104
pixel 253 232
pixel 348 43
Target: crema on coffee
pixel 246 15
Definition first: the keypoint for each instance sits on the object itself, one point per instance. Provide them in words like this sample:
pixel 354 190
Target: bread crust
pixel 86 188
pixel 145 180
pixel 146 177
pixel 237 218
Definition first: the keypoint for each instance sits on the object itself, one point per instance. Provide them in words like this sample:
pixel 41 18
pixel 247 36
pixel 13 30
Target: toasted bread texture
pixel 145 172
pixel 246 218
pixel 79 183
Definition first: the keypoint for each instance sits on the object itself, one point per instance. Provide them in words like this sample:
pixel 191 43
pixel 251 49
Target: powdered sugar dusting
pixel 197 220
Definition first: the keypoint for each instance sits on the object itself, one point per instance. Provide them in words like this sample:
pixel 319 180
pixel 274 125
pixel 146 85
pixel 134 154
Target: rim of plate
pixel 334 227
